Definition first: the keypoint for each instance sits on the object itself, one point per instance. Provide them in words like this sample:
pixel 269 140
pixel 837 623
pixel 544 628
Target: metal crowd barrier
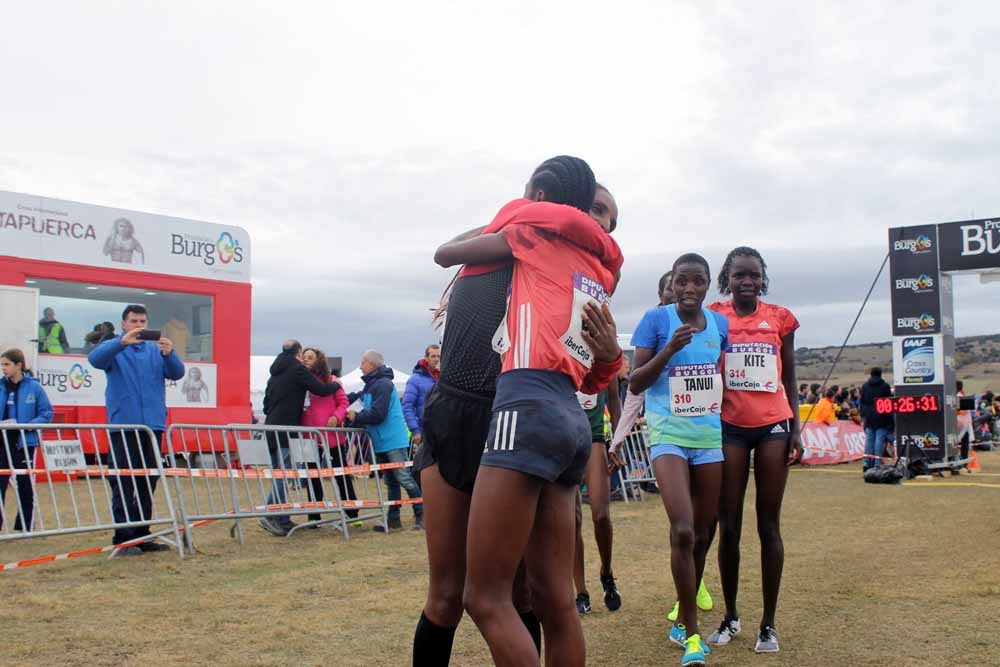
pixel 637 468
pixel 70 496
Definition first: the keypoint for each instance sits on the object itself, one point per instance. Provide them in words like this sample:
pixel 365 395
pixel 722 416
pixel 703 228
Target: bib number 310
pixel 695 390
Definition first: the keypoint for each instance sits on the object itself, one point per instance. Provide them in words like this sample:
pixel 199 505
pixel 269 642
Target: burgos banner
pixel 63 231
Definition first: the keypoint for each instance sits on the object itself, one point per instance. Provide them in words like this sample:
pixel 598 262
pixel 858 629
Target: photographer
pixel 136 364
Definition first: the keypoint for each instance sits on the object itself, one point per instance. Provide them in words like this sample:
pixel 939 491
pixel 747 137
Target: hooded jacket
pixel 31 406
pixel 417 387
pixel 285 394
pixel 382 416
pixel 136 393
pixel 872 390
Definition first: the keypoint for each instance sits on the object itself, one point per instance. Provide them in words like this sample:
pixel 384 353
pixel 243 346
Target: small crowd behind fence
pixel 637 470
pixel 226 474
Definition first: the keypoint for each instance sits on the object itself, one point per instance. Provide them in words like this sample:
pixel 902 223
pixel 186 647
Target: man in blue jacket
pixel 382 417
pixel 136 394
pixel 425 375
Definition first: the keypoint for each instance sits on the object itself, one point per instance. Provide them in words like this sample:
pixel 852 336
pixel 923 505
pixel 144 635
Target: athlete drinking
pixel 677 352
pixel 760 415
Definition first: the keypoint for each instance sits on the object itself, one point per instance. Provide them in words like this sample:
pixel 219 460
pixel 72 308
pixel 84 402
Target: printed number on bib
pixel 695 390
pixel 752 367
pixel 585 290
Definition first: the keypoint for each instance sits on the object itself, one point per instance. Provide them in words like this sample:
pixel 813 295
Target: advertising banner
pixel 63 231
pixel 918 359
pixel 839 442
pixel 972 245
pixel 914 280
pixel 69 380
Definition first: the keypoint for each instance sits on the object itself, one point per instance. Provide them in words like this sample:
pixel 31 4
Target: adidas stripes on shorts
pixel 742 436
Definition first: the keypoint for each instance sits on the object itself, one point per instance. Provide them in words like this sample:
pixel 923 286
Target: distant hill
pixel 977 362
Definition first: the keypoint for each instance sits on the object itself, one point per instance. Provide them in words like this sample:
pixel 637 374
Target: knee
pixel 682 535
pixel 479 604
pixel 445 604
pixel 769 530
pixel 729 529
pixel 601 515
pixel 548 605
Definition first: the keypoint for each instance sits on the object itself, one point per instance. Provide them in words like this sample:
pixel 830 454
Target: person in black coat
pixel 878 427
pixel 284 400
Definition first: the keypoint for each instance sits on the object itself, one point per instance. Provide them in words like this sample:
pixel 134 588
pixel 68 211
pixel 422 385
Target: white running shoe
pixel 767 640
pixel 728 629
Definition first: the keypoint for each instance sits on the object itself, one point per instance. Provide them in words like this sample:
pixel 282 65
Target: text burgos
pixel 225 250
pixel 983 238
pixel 77 377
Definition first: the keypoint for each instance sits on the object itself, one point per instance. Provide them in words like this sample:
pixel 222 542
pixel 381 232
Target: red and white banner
pixel 839 442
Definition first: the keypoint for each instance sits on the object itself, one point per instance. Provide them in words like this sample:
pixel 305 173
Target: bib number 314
pixel 695 390
pixel 752 367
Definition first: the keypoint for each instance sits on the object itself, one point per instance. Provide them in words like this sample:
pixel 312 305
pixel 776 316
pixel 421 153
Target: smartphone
pixel 149 334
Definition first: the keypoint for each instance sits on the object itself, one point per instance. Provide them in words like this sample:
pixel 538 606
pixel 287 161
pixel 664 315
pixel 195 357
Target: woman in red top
pixel 558 338
pixel 760 413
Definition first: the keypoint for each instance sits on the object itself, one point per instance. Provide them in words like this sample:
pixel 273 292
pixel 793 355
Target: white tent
pixel 260 372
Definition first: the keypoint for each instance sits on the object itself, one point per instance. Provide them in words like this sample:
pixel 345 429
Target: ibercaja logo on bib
pixel 925 322
pixel 917 246
pixel 75 379
pixel 920 285
pixel 224 250
pixel 585 290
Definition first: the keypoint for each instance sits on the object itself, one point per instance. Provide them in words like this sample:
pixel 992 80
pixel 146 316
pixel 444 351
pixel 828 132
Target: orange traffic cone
pixel 974 462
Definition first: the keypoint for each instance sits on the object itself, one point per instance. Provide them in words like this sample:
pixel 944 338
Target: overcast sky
pixel 351 139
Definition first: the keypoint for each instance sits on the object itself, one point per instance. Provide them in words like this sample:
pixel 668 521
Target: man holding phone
pixel 136 364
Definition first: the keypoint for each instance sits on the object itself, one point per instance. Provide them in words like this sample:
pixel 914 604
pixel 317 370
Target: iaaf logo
pixel 76 378
pixel 226 250
pixel 921 441
pixel 920 284
pixel 916 342
pixel 922 323
pixel 917 246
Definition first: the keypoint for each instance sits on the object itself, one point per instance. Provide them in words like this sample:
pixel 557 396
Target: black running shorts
pixel 455 424
pixel 742 436
pixel 538 427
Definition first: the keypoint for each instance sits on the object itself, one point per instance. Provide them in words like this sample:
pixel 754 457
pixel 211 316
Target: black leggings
pixel 19 458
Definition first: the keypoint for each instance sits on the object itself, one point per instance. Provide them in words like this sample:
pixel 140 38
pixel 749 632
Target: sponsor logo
pixel 918 360
pixel 778 428
pixel 921 284
pixel 224 250
pixel 75 379
pixel 764 325
pixel 925 322
pixel 921 441
pixel 44 226
pixel 917 246
pixel 981 239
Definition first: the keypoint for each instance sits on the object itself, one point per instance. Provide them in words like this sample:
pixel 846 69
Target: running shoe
pixel 583 604
pixel 767 640
pixel 694 652
pixel 729 628
pixel 678 634
pixel 612 598
pixel 704 599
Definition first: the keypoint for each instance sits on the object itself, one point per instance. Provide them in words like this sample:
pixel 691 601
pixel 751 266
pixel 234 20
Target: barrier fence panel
pixel 69 496
pixel 637 469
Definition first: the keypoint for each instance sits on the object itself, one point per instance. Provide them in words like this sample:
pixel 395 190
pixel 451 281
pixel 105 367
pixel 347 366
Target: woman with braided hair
pixel 760 414
pixel 557 337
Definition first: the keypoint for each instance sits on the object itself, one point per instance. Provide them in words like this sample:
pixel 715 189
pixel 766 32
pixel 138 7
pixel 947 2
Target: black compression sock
pixel 432 644
pixel 534 628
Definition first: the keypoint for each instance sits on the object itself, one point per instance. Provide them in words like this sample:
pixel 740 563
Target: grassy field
pixel 874 575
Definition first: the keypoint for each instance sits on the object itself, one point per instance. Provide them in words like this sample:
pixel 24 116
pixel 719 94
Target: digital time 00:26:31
pixel 907 404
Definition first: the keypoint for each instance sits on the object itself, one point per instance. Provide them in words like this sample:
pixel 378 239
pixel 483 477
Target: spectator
pixel 101 332
pixel 284 399
pixel 815 394
pixel 965 433
pixel 854 400
pixel 425 375
pixel 327 412
pixel 826 411
pixel 22 400
pixel 51 334
pixel 878 427
pixel 803 393
pixel 382 417
pixel 135 394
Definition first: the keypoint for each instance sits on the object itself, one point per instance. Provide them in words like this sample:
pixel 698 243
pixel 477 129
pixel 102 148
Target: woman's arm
pixel 791 390
pixel 484 249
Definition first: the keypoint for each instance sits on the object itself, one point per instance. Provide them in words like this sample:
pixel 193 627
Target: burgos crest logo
pixel 923 323
pixel 921 284
pixel 224 250
pixel 917 246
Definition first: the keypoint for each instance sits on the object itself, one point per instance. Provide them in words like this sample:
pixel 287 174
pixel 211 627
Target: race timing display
pixel 904 405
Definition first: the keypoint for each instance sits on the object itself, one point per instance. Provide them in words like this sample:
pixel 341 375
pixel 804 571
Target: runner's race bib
pixel 585 290
pixel 587 401
pixel 695 390
pixel 752 367
pixel 501 337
